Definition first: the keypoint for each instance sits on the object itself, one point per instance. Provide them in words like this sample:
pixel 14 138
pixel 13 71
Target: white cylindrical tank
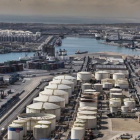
pixel 63 82
pixel 23 123
pixel 130 103
pixel 115 103
pixel 33 118
pixel 60 87
pixel 77 133
pixel 50 99
pixel 87 113
pixel 60 93
pixel 86 86
pixel 40 107
pixel 89 90
pixel 84 76
pixel 98 87
pixel 91 121
pixel 116 95
pixel 15 132
pixel 99 75
pixel 108 80
pixel 128 99
pixel 87 108
pixel 118 76
pixel 107 85
pixel 90 95
pixel 45 123
pixel 88 102
pixel 79 125
pixel 122 83
pixel 113 109
pixel 115 90
pixel 124 108
pixel 66 77
pixel 41 132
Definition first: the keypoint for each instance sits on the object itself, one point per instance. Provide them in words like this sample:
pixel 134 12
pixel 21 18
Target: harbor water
pixel 13 56
pixel 72 44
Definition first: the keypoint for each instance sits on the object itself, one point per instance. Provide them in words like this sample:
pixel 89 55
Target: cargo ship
pixel 79 52
pixel 58 42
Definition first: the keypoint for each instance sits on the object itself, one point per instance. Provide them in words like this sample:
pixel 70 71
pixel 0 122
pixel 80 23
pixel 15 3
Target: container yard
pixel 83 105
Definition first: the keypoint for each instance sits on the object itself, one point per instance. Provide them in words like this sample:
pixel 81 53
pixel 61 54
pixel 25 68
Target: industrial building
pixel 19 36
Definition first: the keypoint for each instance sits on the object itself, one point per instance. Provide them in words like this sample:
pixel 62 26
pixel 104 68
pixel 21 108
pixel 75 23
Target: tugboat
pixel 97 36
pixel 58 42
pixel 79 52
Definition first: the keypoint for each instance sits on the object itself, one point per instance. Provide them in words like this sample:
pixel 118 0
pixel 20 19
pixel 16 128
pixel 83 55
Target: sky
pixel 84 8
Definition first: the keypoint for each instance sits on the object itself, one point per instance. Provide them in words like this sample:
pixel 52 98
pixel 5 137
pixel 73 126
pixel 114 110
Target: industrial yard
pixel 53 95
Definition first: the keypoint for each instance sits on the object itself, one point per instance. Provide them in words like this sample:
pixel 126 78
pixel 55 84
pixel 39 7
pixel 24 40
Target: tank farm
pixel 71 106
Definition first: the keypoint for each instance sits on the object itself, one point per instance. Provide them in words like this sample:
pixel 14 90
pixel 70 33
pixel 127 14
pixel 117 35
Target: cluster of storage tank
pixel 41 116
pixel 118 80
pixel 20 36
pixel 87 111
pixel 118 101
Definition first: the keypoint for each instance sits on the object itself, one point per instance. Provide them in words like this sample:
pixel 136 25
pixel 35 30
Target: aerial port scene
pixel 69 71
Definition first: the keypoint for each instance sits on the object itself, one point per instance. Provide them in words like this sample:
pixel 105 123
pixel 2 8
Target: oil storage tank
pixel 115 102
pixel 33 118
pixel 107 85
pixel 15 132
pixel 50 99
pixel 130 103
pixel 77 133
pixel 108 80
pixel 41 132
pixel 99 75
pixel 89 90
pixel 98 87
pixel 122 83
pixel 87 113
pixel 63 82
pixel 23 123
pixel 48 123
pixel 117 76
pixel 84 76
pixel 87 108
pixel 91 121
pixel 60 87
pixel 86 86
pixel 88 102
pixel 66 77
pixel 40 107
pixel 56 92
pixel 115 90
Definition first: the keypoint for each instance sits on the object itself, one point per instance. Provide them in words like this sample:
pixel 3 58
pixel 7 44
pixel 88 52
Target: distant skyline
pixel 128 9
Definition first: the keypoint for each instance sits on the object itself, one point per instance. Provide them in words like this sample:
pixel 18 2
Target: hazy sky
pixel 93 8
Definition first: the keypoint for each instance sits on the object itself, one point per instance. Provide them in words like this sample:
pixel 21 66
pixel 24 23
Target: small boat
pixel 79 52
pixel 138 49
pixel 58 42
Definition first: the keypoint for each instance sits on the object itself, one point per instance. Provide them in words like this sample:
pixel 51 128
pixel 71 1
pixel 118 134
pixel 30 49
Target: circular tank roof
pixel 104 72
pixel 49 99
pixel 53 92
pixel 41 126
pixel 44 122
pixel 86 117
pixel 115 89
pixel 55 86
pixel 84 72
pixel 61 82
pixel 40 105
pixel 118 74
pixel 15 125
pixel 88 108
pixel 87 84
pixel 19 121
pixel 65 77
pixel 42 116
pixel 88 112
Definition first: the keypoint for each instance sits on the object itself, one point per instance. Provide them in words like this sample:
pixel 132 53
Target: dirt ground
pixel 119 124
